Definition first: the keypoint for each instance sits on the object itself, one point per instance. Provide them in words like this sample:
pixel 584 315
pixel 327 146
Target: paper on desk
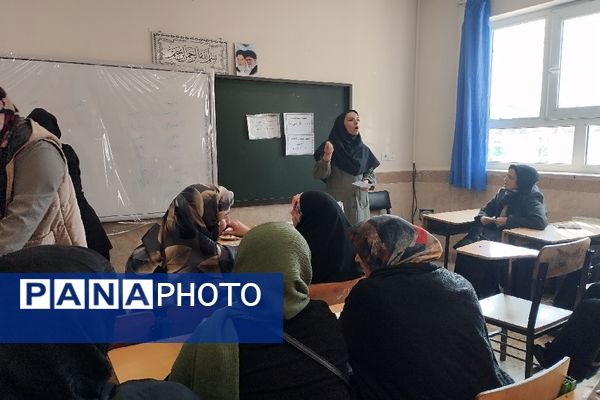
pixel 362 184
pixel 567 225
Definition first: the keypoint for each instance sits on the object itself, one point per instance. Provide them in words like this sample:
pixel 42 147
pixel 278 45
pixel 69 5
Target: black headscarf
pixel 68 371
pixel 350 154
pixel 46 120
pixel 324 225
pixel 527 177
pixel 54 371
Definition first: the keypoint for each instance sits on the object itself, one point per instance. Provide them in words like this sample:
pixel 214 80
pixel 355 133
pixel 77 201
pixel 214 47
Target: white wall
pixel 368 43
pixel 439 33
pixel 437 71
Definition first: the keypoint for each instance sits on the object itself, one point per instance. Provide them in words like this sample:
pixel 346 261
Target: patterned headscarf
pixel 186 238
pixel 190 228
pixel 388 240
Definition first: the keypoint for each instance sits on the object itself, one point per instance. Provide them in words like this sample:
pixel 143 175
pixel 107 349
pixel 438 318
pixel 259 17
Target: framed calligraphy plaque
pixel 189 52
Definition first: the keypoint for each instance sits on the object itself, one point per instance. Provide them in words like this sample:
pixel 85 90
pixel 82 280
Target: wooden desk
pixel 488 250
pixel 144 360
pixel 448 224
pixel 558 232
pixel 595 394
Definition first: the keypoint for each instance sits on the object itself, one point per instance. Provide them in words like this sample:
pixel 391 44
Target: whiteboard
pixel 141 134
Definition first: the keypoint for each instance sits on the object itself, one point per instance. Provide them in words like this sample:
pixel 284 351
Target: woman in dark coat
pixel 518 204
pixel 321 221
pixel 69 371
pixel 94 232
pixel 276 371
pixel 414 330
pixel 578 339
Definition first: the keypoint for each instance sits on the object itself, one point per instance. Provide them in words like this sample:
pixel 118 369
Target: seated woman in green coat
pixel 271 371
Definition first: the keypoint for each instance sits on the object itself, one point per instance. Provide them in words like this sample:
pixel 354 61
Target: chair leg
pixel 529 356
pixel 503 342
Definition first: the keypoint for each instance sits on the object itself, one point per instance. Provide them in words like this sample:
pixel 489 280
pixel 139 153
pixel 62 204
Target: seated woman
pixel 578 339
pixel 414 330
pixel 272 371
pixel 69 371
pixel 186 238
pixel 321 221
pixel 518 204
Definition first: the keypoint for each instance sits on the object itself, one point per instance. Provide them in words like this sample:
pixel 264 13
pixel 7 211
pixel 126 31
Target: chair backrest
pixel 380 201
pixel 562 258
pixel 544 385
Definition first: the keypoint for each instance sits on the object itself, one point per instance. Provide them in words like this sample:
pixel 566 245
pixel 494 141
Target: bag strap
pixel 107 390
pixel 309 352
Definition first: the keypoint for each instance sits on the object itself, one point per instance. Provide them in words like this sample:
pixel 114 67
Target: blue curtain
pixel 469 151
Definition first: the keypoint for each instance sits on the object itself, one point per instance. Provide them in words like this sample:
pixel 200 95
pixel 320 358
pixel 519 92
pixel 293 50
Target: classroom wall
pixel 368 43
pixel 401 56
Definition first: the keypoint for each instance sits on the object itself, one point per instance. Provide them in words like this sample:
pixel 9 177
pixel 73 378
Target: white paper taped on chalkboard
pixel 141 134
pixel 263 126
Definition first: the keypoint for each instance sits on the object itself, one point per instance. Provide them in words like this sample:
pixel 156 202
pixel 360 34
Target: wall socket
pixel 423 211
pixel 386 156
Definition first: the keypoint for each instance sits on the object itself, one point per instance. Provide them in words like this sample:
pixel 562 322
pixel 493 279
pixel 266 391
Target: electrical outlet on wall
pixel 386 156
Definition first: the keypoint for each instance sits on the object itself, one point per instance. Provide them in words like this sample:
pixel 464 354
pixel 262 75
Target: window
pixel 545 90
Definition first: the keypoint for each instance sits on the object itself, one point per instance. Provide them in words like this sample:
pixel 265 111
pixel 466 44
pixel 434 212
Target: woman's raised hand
pixel 327 151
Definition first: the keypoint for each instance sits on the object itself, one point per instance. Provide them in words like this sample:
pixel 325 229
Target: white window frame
pixel 550 115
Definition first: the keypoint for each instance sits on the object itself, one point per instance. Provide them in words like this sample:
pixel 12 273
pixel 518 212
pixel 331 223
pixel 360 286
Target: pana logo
pixel 128 294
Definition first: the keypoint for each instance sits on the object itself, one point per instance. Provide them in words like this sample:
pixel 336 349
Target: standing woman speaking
pixel 346 166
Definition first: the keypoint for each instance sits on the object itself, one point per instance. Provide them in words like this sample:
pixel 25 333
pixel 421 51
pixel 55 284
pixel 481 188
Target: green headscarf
pixel 212 370
pixel 278 247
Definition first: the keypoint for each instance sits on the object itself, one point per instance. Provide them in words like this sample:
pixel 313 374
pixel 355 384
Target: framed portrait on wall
pixel 189 52
pixel 245 59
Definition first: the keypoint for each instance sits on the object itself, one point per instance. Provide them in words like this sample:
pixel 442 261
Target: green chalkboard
pixel 258 170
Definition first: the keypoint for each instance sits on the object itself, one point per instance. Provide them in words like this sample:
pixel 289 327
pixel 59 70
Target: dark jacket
pixel 96 237
pixel 280 371
pixel 416 331
pixel 524 210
